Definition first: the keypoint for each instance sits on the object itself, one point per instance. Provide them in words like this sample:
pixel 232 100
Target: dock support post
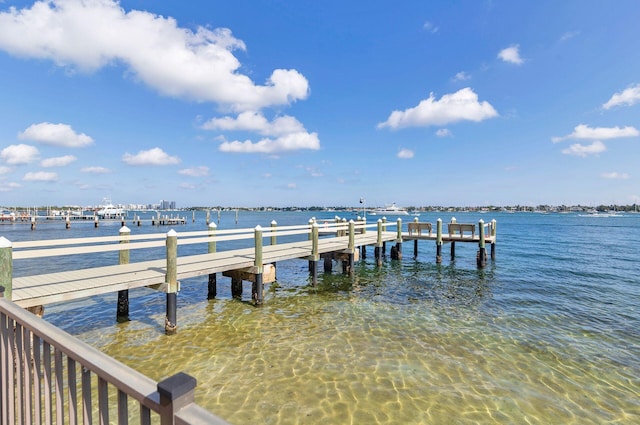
pixel 67 222
pixel 171 279
pixel 315 256
pixel 122 314
pixel 212 286
pixel 453 243
pixel 493 240
pixel 208 219
pixel 257 290
pixel 378 249
pixel 33 223
pixel 482 253
pixel 384 229
pixel 6 266
pixel 311 221
pixel 439 241
pixel 273 241
pixel 352 246
pixel 398 248
pixel 236 287
pixel 328 264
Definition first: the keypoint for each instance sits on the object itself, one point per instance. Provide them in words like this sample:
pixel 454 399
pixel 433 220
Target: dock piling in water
pixel 212 284
pixel 439 241
pixel 122 314
pixel 171 281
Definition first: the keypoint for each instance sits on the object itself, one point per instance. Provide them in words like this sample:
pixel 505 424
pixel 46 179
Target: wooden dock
pixel 339 240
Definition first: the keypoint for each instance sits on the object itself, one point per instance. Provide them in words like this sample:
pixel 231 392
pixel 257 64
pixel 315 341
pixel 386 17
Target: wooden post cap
pixel 176 386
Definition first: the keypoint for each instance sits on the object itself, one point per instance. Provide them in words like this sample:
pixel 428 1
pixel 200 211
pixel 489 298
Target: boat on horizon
pixel 390 210
pixel 108 210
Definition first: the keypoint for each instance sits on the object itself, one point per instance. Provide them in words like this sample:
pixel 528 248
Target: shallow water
pixel 548 333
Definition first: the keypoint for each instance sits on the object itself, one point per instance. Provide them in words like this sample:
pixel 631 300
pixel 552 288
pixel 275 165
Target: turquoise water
pixel 548 333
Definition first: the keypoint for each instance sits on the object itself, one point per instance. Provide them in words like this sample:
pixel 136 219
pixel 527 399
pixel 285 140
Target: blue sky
pixel 281 103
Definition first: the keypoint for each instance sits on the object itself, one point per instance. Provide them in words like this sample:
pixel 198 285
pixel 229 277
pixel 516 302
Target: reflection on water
pixel 543 335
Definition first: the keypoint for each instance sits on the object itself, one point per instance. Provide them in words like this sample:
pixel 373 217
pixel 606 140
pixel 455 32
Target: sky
pixel 251 103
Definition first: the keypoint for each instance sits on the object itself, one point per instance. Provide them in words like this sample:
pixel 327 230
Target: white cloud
pixel 615 175
pixel 583 150
pixel 179 62
pixel 5 170
pixel 95 170
pixel 583 131
pixel 19 154
pixel 630 96
pixel 511 54
pixel 461 105
pixel 461 76
pixel 40 176
pixel 289 142
pixel 59 161
pixel 444 132
pixel 292 186
pixel 55 134
pixel 9 186
pixel 155 156
pixel 405 154
pixel 256 122
pixel 195 171
pixel 430 27
pixel 187 186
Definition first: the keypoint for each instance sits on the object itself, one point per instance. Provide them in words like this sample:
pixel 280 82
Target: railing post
pixel 257 290
pixel 6 266
pixel 176 392
pixel 481 246
pixel 378 248
pixel 212 286
pixel 122 314
pixel 439 241
pixel 171 280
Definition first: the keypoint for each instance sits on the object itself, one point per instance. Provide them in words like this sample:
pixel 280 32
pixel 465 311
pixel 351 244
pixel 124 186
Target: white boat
pixel 390 210
pixel 108 210
pixel 7 215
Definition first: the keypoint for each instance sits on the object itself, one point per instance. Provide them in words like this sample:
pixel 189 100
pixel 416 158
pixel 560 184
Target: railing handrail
pixel 60 247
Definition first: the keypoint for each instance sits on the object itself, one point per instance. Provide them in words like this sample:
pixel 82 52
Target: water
pixel 548 333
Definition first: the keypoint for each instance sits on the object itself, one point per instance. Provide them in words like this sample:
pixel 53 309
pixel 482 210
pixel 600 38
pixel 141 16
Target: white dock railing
pixel 47 376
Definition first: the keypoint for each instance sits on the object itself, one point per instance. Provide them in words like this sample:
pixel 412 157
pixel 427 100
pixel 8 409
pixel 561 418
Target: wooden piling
pixel 122 313
pixel 315 256
pixel 212 285
pixel 208 219
pixel 171 280
pixel 439 241
pixel 378 248
pixel 273 240
pixel 33 222
pixel 67 222
pixel 453 243
pixel 493 239
pixel 352 246
pixel 257 290
pixel 481 246
pixel 399 239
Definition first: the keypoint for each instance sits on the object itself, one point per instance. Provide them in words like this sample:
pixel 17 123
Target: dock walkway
pixel 339 240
